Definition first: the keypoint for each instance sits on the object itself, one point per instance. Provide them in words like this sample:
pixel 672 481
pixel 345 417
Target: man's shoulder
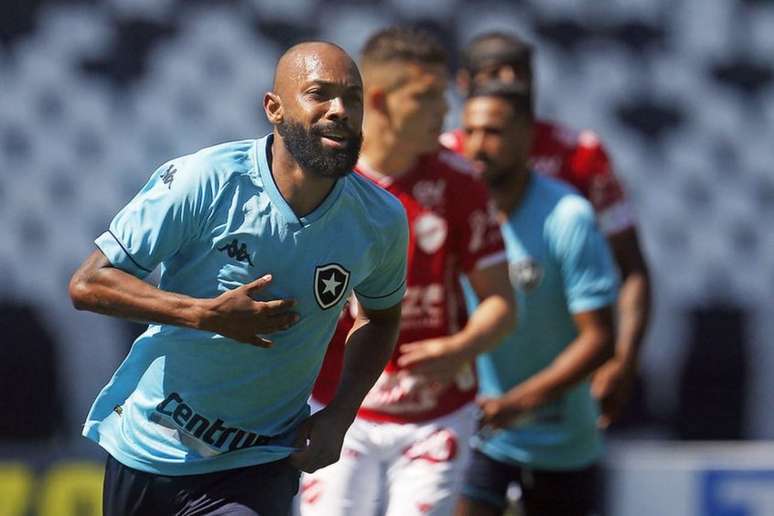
pixel 565 202
pixel 556 137
pixel 372 198
pixel 550 133
pixel 223 159
pixel 210 168
pixel 454 170
pixel 567 207
pixel 576 156
pixel 449 163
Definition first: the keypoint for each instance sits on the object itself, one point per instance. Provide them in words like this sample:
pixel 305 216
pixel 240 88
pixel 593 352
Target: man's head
pixel 495 56
pixel 406 75
pixel 316 107
pixel 498 122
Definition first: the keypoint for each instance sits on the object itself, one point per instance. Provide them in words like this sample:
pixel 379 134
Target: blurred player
pixel 579 159
pixel 211 400
pixel 406 451
pixel 538 415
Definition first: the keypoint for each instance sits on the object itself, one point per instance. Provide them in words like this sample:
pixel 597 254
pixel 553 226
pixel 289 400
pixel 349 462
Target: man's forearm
pixel 369 347
pixel 100 288
pixel 489 323
pixel 493 318
pixel 582 357
pixel 633 307
pixel 633 313
pixel 590 349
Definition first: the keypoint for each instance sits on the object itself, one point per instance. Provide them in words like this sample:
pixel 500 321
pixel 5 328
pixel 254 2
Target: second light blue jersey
pixel 187 401
pixel 560 265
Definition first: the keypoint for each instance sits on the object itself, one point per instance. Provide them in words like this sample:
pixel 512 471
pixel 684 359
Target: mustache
pixel 339 128
pixel 482 158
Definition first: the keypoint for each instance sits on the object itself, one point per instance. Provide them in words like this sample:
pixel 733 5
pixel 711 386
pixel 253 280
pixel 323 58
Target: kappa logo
pixel 430 193
pixel 168 176
pixel 526 274
pixel 234 250
pixel 330 284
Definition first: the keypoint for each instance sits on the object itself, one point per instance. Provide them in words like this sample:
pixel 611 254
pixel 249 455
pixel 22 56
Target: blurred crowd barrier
pixel 95 95
pixel 679 479
pixel 644 478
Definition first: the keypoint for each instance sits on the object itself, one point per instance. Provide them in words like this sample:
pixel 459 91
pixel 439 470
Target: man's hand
pixel 320 438
pixel 236 315
pixel 512 408
pixel 494 414
pixel 99 287
pixel 612 386
pixel 437 360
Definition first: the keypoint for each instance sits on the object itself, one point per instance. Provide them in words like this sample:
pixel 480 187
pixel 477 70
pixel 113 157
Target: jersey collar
pixel 262 153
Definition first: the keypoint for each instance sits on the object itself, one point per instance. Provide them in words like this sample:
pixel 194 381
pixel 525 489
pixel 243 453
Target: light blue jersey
pixel 187 401
pixel 560 265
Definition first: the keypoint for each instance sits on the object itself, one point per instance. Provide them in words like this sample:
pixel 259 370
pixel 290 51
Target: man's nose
pixel 507 74
pixel 473 144
pixel 337 110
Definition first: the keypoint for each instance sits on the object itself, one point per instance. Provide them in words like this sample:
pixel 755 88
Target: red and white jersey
pixel 452 230
pixel 578 158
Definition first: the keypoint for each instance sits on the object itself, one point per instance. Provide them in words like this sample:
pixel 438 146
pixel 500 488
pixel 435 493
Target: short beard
pixel 497 179
pixel 310 154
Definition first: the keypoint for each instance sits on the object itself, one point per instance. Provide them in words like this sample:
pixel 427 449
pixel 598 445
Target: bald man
pixel 208 414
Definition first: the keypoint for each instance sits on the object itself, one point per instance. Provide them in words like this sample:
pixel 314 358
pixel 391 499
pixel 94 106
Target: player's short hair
pixel 409 44
pixel 517 94
pixel 497 49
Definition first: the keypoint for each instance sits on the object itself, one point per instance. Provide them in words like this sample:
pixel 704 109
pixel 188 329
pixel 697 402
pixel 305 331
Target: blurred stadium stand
pixel 94 95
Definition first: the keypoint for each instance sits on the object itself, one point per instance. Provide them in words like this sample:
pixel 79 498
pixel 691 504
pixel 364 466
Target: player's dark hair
pixel 497 49
pixel 517 94
pixel 404 44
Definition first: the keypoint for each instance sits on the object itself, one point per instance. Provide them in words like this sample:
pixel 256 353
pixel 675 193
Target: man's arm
pixel 369 346
pixel 592 346
pixel 495 316
pixel 99 287
pixel 613 383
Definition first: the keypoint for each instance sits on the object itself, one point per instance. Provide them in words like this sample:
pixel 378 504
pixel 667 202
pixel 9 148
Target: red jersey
pixel 577 158
pixel 452 230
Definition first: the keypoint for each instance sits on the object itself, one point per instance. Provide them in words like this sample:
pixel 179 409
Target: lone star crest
pixel 330 284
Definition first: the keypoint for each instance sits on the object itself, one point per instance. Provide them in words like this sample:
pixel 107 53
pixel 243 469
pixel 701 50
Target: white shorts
pixel 394 469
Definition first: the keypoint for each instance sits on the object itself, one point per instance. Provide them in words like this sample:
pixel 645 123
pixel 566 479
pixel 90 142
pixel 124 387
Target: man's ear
pixel 272 105
pixel 463 82
pixel 376 99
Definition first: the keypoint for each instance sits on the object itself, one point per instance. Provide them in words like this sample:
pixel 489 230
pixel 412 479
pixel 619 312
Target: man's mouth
pixel 480 165
pixel 334 140
pixel 335 137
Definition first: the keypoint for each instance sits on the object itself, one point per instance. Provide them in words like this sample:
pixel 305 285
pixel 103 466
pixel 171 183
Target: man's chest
pixel 529 257
pixel 318 265
pixel 431 224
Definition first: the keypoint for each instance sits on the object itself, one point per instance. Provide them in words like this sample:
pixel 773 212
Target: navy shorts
pixel 265 490
pixel 543 493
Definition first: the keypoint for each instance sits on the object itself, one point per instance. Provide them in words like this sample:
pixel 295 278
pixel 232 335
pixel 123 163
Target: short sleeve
pixel 386 284
pixel 592 167
pixel 478 237
pixel 588 272
pixel 162 217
